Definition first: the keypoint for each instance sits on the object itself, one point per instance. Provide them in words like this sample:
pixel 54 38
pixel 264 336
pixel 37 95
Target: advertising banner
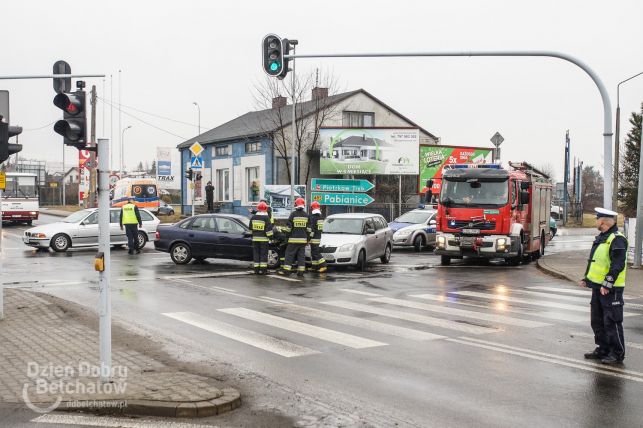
pixel 434 158
pixel 166 176
pixel 361 151
pixel 83 174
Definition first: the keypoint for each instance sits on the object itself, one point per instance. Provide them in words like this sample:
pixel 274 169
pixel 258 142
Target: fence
pixel 51 196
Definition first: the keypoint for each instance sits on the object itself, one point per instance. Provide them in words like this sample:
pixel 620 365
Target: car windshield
pixel 415 217
pixel 351 226
pixel 77 216
pixel 474 193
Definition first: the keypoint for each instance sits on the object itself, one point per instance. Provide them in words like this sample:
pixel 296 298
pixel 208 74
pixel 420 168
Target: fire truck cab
pixel 486 211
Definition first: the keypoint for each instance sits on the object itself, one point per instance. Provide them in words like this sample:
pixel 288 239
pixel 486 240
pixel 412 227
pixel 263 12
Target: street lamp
pixel 122 147
pixel 617 140
pixel 197 106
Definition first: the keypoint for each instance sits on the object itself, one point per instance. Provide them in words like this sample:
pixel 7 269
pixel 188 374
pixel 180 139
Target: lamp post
pixel 617 142
pixel 199 107
pixel 122 147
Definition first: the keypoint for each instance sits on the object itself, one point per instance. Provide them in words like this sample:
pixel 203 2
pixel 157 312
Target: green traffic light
pixel 274 66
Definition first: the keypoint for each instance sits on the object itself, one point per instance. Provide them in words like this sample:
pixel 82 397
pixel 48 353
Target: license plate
pixel 471 231
pixel 25 239
pixel 466 242
pixel 328 256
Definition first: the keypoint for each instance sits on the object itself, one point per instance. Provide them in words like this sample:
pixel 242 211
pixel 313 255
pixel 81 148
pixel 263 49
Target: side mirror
pixel 433 223
pixel 524 198
pixel 370 231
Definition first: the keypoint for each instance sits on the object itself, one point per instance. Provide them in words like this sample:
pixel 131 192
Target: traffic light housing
pixel 273 50
pixel 7 149
pixel 73 127
pixel 189 174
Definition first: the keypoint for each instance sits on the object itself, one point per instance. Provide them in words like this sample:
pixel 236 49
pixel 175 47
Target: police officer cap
pixel 603 212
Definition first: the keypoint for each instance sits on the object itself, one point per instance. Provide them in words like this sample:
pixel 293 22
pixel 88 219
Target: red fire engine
pixel 486 211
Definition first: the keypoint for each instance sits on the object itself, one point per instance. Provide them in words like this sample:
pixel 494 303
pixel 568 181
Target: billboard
pixel 434 158
pixel 166 174
pixel 359 151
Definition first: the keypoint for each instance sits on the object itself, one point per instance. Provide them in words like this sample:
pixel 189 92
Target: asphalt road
pixel 408 344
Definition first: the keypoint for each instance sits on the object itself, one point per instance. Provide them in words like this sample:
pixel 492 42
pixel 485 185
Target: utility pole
pixel 638 238
pixel 294 131
pixel 566 178
pixel 92 157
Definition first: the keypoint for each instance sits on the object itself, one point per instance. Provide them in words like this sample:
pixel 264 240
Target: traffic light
pixel 273 50
pixel 7 149
pixel 73 127
pixel 189 174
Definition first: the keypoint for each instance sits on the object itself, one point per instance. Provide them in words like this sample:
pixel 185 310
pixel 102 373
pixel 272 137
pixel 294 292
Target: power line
pixel 39 128
pixel 145 122
pixel 150 114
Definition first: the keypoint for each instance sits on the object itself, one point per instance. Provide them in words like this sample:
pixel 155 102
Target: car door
pixel 88 230
pixel 430 229
pixel 149 224
pixel 233 242
pixel 116 235
pixel 202 237
pixel 381 235
pixel 372 247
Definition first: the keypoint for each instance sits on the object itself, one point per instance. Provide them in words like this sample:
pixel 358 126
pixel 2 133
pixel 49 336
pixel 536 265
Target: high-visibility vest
pixel 129 214
pixel 600 264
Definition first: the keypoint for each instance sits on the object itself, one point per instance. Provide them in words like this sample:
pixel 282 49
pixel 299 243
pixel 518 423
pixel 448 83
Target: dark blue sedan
pixel 216 236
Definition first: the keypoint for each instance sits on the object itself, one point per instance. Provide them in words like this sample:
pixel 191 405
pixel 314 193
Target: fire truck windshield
pixel 474 193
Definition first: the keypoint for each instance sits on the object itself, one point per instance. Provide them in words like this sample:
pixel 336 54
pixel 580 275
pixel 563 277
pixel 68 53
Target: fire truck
pixel 488 212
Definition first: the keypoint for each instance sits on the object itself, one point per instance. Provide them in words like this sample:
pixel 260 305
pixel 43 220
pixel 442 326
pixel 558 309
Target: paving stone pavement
pixel 47 356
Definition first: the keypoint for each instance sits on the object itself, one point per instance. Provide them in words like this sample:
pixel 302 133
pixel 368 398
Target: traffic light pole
pixel 104 304
pixel 294 138
pixel 607 108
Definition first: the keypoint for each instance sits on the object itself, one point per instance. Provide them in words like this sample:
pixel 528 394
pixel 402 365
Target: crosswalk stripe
pixel 361 293
pixel 258 340
pixel 627 344
pixel 461 313
pixel 422 319
pixel 549 315
pixel 285 278
pixel 573 299
pixel 578 291
pixel 512 299
pixel 380 327
pixel 303 328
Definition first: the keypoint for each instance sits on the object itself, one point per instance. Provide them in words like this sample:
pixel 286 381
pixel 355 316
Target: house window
pixel 222 150
pixel 223 184
pixel 253 147
pixel 252 181
pixel 358 119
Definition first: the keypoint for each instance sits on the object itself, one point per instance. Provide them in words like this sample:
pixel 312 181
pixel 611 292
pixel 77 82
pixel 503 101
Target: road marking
pixel 110 422
pixel 585 299
pixel 202 275
pixel 578 291
pixel 252 338
pixel 422 319
pixel 361 293
pixel 285 278
pixel 379 327
pixel 629 344
pixel 548 315
pixel 303 328
pixel 272 299
pixel 461 313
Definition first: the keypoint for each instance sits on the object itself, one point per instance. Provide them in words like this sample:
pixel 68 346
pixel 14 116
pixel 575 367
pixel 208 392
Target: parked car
pixel 355 239
pixel 165 208
pixel 80 229
pixel 415 228
pixel 209 236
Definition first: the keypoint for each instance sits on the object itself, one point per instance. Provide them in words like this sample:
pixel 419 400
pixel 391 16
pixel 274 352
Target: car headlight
pixel 501 244
pixel 441 241
pixel 346 248
pixel 403 233
pixel 38 235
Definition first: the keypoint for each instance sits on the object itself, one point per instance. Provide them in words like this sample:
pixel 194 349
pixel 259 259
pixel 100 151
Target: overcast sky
pixel 174 53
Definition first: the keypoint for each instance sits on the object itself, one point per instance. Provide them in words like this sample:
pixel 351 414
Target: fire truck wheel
pixel 445 260
pixel 515 261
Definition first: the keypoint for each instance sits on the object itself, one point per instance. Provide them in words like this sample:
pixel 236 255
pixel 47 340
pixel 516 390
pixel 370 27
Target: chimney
pixel 319 93
pixel 279 102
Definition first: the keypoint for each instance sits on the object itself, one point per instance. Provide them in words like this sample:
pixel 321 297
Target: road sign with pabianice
pixel 196 162
pixel 340 185
pixel 352 199
pixel 196 149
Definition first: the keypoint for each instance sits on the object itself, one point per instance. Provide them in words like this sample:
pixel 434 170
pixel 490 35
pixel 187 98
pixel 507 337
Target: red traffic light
pixel 72 104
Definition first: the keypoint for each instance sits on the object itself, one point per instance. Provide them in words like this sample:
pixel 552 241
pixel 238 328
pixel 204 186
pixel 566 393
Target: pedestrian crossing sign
pixel 196 162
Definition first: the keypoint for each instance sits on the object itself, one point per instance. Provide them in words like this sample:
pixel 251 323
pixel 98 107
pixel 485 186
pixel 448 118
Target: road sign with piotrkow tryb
pixel 340 185
pixel 196 149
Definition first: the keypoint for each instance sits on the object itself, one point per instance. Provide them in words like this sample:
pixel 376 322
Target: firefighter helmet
pixel 300 203
pixel 315 205
pixel 262 206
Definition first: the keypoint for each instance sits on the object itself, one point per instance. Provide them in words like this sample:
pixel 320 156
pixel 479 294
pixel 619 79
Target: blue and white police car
pixel 415 228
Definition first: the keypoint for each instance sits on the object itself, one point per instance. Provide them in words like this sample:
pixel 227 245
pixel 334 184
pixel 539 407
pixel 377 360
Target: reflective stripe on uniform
pixel 297 241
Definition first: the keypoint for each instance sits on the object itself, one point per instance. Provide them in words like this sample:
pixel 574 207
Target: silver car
pixel 80 229
pixel 354 239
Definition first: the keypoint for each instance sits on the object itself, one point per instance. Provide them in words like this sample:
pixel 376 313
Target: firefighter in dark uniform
pixel 316 221
pixel 272 219
pixel 261 236
pixel 299 229
pixel 605 275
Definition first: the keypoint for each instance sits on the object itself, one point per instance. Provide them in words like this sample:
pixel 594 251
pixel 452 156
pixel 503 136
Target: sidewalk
pixel 55 213
pixel 49 360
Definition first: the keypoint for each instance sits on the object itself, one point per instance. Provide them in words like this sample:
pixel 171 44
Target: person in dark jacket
pixel 316 221
pixel 261 235
pixel 131 218
pixel 209 196
pixel 299 229
pixel 427 191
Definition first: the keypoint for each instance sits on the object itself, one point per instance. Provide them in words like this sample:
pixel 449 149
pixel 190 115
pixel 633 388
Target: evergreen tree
pixel 153 169
pixel 629 177
pixel 140 166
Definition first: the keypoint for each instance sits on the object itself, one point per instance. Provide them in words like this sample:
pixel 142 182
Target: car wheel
pixel 141 239
pixel 273 259
pixel 418 242
pixel 445 260
pixel 361 261
pixel 60 242
pixel 387 254
pixel 180 253
pixel 171 212
pixel 29 222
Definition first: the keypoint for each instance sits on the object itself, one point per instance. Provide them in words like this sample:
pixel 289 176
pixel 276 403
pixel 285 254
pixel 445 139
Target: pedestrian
pixel 428 192
pixel 261 235
pixel 209 196
pixel 131 218
pixel 605 275
pixel 299 230
pixel 316 222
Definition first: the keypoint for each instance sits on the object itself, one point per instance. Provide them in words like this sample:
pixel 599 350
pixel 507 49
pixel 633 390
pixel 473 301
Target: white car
pixel 415 228
pixel 80 229
pixel 354 239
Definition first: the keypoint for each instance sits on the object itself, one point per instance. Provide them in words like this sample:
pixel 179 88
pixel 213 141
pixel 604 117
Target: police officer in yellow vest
pixel 131 218
pixel 605 275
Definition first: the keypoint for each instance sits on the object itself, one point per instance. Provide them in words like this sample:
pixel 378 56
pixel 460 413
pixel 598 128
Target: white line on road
pixel 379 327
pixel 303 328
pixel 111 422
pixel 577 291
pixel 630 344
pixel 422 319
pixel 361 293
pixel 461 313
pixel 252 338
pixel 285 278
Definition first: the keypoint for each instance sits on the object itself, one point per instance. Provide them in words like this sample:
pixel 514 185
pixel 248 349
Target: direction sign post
pixel 340 185
pixel 353 199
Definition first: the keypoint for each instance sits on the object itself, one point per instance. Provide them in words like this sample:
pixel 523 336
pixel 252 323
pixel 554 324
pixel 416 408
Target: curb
pixel 230 400
pixel 55 213
pixel 552 272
